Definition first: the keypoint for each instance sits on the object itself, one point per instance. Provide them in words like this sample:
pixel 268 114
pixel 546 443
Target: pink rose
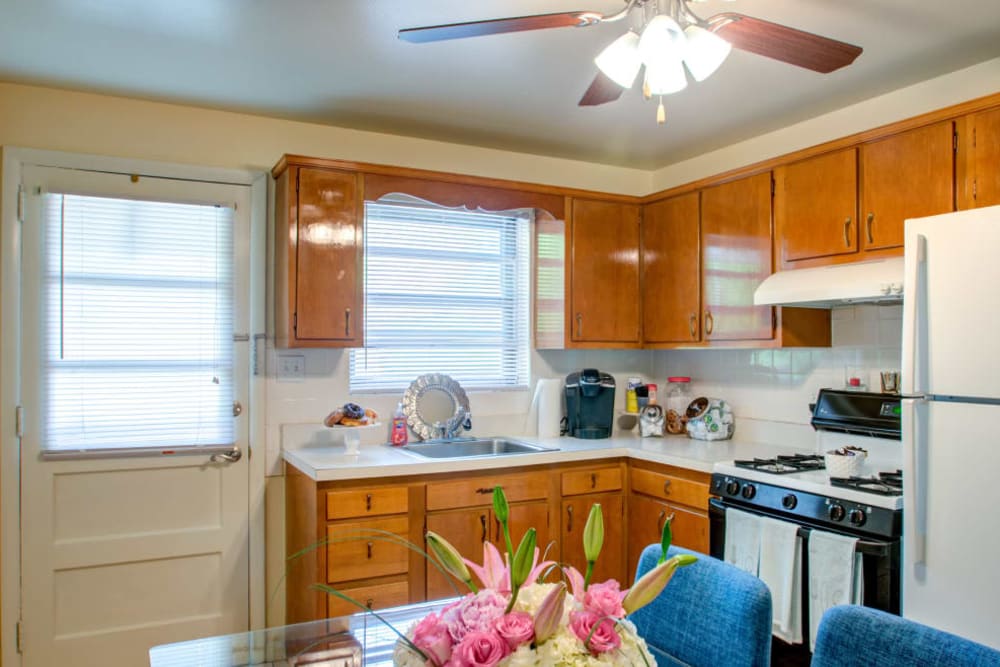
pixel 474 613
pixel 432 637
pixel 605 599
pixel 516 628
pixel 604 637
pixel 479 649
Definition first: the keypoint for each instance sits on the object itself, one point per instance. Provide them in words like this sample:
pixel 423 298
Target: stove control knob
pixel 732 487
pixel 857 517
pixel 749 491
pixel 789 502
pixel 836 512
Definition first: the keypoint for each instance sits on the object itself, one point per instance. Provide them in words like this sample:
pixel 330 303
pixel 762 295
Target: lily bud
pixel 449 558
pixel 549 613
pixel 593 534
pixel 520 567
pixel 653 582
pixel 500 506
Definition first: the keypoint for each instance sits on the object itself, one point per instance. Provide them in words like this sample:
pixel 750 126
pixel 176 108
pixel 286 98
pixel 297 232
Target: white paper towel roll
pixel 549 393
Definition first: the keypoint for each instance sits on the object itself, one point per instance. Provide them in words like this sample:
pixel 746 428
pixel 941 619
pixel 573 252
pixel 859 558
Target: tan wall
pixel 966 84
pixel 34 117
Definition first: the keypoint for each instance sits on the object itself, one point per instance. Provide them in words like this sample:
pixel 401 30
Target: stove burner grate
pixel 886 484
pixel 784 464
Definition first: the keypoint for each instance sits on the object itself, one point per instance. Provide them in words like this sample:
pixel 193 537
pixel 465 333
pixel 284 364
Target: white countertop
pixel 330 462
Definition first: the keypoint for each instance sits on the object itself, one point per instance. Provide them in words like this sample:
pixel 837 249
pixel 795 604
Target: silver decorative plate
pixel 435 404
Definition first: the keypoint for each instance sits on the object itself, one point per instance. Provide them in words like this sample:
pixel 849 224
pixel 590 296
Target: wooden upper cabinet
pixel 736 258
pixel 907 175
pixel 671 276
pixel 816 206
pixel 604 270
pixel 318 264
pixel 978 167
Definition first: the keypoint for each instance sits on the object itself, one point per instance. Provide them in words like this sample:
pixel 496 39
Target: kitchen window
pixel 446 291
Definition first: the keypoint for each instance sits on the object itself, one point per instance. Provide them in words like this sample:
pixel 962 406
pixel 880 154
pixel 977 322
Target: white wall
pixel 966 84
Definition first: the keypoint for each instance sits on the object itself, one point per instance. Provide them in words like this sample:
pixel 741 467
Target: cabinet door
pixel 522 517
pixel 611 563
pixel 689 529
pixel 604 267
pixel 907 175
pixel 816 206
pixel 466 530
pixel 671 277
pixel 986 158
pixel 327 301
pixel 736 258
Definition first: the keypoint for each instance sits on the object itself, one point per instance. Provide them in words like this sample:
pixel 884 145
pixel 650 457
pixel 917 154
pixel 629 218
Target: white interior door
pixel 131 546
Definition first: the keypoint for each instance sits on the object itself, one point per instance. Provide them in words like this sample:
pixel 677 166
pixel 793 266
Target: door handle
pixel 666 487
pixel 693 325
pixel 709 322
pixel 232 456
pixel 569 519
pixel 371 546
pixel 482 522
pixel 659 521
pixel 347 321
pixel 579 325
pixel 847 232
pixel 868 228
pixel 593 480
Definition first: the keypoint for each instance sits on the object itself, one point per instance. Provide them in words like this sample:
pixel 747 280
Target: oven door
pixel 881 558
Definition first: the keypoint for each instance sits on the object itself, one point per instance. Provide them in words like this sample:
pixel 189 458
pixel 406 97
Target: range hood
pixel 878 281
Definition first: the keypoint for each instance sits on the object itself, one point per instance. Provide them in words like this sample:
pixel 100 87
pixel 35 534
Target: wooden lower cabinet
pixel 374 596
pixel 575 510
pixel 645 527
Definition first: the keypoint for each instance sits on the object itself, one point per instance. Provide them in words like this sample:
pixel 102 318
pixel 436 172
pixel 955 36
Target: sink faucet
pixel 450 428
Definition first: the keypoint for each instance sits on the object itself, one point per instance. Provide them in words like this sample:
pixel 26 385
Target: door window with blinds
pixel 137 324
pixel 446 291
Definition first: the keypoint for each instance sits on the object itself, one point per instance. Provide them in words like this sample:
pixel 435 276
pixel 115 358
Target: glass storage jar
pixel 676 401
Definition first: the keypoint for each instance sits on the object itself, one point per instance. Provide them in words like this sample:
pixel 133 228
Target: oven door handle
pixel 863 547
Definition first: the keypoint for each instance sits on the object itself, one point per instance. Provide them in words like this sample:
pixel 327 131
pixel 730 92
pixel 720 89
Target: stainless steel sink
pixel 464 448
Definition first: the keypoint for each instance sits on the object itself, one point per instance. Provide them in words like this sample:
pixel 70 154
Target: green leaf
pixel 666 538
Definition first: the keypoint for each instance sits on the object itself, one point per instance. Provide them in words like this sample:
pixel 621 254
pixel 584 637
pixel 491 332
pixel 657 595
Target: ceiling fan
pixel 671 36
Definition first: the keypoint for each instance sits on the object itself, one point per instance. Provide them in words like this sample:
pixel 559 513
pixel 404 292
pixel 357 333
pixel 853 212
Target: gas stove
pixel 797 487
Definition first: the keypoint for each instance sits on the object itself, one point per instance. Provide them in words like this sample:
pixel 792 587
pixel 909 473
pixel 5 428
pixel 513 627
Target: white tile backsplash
pixel 769 385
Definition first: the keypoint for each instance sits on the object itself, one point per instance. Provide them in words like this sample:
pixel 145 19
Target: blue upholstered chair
pixel 711 614
pixel 853 636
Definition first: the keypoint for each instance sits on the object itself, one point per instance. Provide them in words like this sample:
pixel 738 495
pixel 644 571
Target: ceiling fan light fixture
pixel 704 52
pixel 666 77
pixel 620 60
pixel 661 40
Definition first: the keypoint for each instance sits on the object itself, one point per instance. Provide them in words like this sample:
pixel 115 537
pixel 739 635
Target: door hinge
pixel 295 322
pixel 973 137
pixel 17 637
pixel 296 182
pixel 258 364
pixel 774 319
pixel 19 421
pixel 954 142
pixel 772 186
pixel 975 188
pixel 20 203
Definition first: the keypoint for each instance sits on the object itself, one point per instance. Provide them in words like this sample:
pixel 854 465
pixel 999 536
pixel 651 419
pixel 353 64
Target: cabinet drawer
pixel 358 503
pixel 476 491
pixel 577 482
pixel 376 596
pixel 671 487
pixel 350 556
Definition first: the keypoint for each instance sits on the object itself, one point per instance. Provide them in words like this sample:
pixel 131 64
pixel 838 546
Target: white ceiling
pixel 339 62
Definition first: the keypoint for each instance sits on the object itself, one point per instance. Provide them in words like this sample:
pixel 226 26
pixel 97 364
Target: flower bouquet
pixel 513 618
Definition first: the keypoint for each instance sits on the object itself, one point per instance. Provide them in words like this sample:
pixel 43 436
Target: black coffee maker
pixel 590 404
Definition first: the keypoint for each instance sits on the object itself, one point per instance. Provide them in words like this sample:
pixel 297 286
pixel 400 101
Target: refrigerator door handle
pixel 916 432
pixel 914 312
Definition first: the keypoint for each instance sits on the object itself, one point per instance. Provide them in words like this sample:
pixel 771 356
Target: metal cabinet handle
pixel 569 520
pixel 693 325
pixel 496 529
pixel 371 545
pixel 368 502
pixel 482 522
pixel 666 487
pixel 868 227
pixel 847 232
pixel 579 325
pixel 483 490
pixel 709 322
pixel 593 480
pixel 659 520
pixel 347 321
pixel 369 603
pixel 232 456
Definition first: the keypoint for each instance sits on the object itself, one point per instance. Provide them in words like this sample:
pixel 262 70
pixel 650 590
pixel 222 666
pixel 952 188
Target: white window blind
pixel 446 291
pixel 138 324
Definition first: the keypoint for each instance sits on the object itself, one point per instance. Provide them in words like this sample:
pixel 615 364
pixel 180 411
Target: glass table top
pixel 346 641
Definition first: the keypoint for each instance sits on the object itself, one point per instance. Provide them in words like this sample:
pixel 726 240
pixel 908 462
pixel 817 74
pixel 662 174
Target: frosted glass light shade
pixel 666 77
pixel 620 61
pixel 704 51
pixel 662 40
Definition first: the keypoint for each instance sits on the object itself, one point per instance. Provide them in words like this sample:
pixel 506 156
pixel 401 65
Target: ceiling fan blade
pixel 437 33
pixel 773 40
pixel 601 90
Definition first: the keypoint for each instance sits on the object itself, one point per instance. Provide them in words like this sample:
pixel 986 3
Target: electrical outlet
pixel 291 368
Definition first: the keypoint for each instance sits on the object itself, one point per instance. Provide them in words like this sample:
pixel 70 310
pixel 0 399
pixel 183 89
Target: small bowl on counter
pixel 845 462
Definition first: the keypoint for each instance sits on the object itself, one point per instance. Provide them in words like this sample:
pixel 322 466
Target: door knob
pixel 232 456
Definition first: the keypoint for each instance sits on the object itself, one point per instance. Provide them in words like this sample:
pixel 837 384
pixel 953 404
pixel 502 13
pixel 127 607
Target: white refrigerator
pixel 951 423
